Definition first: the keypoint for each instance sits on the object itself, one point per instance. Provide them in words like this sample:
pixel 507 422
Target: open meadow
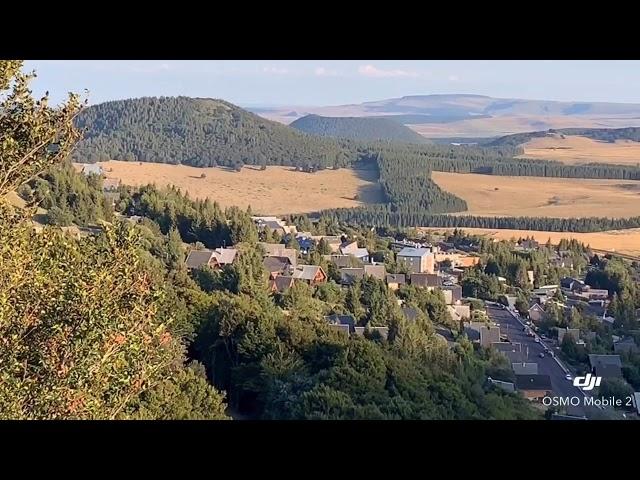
pixel 274 191
pixel 491 195
pixel 576 150
pixel 620 241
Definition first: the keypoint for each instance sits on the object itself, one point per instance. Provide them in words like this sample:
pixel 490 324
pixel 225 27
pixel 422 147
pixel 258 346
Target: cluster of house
pixel 283 268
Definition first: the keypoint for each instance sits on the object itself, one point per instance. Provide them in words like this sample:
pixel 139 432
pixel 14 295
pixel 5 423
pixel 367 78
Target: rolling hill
pixel 463 115
pixel 358 128
pixel 198 132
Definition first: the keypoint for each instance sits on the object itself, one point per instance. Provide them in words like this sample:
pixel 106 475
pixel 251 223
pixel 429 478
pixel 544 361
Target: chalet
pixel 606 366
pixel 627 345
pixel 394 280
pixel 92 169
pixel 343 323
pixel 280 283
pixel 589 293
pixel 311 274
pixel 351 248
pixel 211 258
pixel 277 266
pixel 452 294
pixel 536 313
pixel 280 250
pixel 426 280
pixel 534 387
pixel 418 260
pixel 382 331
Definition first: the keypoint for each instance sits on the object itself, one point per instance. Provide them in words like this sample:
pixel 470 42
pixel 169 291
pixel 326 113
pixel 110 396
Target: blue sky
pixel 331 82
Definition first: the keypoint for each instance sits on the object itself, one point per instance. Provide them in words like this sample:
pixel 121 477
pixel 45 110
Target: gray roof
pixel 350 275
pixel 347 320
pixel 426 280
pixel 376 271
pixel 225 256
pixel 525 368
pixel 199 258
pixel 597 360
pixel 92 168
pixel 414 252
pixel 398 278
pixel 608 371
pixel 275 264
pixel 340 260
pixel 306 272
pixel 533 382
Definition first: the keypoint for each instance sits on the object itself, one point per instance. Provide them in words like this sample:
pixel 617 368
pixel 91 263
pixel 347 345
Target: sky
pixel 332 82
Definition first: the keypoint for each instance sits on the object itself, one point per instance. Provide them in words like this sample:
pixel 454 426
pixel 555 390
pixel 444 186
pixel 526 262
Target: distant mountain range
pixel 462 115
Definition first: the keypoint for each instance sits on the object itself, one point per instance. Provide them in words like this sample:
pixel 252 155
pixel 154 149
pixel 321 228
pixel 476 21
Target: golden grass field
pixel 620 241
pixel 274 191
pixel 575 150
pixel 543 197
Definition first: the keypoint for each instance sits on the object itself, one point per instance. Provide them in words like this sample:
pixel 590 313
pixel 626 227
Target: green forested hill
pixel 198 132
pixel 601 134
pixel 358 128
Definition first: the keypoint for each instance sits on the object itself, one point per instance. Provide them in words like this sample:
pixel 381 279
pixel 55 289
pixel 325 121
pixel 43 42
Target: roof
pixel 537 306
pixel 281 282
pixel 533 382
pixel 339 260
pixel 110 183
pixel 199 258
pixel 398 278
pixel 506 386
pixel 273 225
pixel 275 264
pixel 608 371
pixel 350 275
pixel 225 256
pixel 348 247
pixel 525 368
pixel 306 272
pixel 280 250
pixel 347 320
pixel 426 280
pixel 383 331
pixel 359 252
pixel 92 168
pixel 414 252
pixel 376 271
pixel 599 360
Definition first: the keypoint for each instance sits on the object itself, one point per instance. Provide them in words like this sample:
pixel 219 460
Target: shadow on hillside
pixel 371 192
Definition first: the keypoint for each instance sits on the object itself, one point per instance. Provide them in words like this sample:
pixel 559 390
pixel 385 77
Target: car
pixel 541 355
pixel 537 340
pixel 568 376
pixel 524 329
pixel 543 336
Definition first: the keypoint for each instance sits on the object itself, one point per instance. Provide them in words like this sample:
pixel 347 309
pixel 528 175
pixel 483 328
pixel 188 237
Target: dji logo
pixel 587 383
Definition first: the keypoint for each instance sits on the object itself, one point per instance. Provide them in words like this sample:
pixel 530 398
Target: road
pixel 546 366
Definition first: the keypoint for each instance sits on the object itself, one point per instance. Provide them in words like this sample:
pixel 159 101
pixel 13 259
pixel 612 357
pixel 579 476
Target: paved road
pixel 528 350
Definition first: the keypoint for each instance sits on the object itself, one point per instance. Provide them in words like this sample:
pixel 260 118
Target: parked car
pixel 541 355
pixel 568 376
pixel 537 340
